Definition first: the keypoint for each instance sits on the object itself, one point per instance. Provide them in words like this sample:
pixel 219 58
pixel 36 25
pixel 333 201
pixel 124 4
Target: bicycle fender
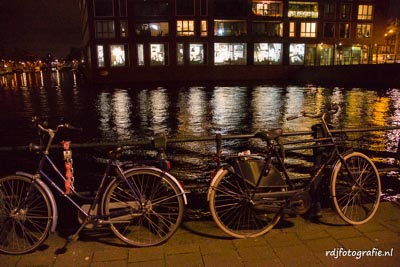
pixel 219 172
pixel 49 195
pixel 166 174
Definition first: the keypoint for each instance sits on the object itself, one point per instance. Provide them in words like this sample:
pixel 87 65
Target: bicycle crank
pixel 301 202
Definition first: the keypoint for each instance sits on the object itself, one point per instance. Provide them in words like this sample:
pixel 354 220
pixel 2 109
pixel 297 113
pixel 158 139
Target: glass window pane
pixel 230 28
pixel 185 28
pixel 179 53
pixel 364 30
pixel 296 54
pixel 157 55
pixel 117 55
pixel 329 29
pixel 203 28
pixel 103 8
pixel 303 9
pixel 267 8
pixel 124 29
pixel 292 29
pixel 267 53
pixel 184 7
pixel 100 56
pixel 152 29
pixel 196 54
pixel 123 8
pixel 230 53
pixel 268 28
pixel 151 8
pixel 203 7
pixel 140 54
pixel 105 29
pixel 364 12
pixel 308 29
pixel 230 7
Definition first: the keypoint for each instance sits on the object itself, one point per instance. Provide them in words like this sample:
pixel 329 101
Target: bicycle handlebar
pixel 42 126
pixel 334 108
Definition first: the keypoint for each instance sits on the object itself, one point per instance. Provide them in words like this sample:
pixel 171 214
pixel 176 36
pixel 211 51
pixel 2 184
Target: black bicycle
pixel 250 192
pixel 143 205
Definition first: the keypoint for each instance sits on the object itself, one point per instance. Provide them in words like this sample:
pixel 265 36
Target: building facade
pixel 192 40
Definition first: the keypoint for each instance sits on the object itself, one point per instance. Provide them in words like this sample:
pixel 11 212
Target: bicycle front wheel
pixel 355 188
pixel 234 210
pixel 25 215
pixel 150 214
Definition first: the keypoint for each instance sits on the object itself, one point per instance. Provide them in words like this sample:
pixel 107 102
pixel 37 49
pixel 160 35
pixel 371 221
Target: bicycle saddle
pixel 268 135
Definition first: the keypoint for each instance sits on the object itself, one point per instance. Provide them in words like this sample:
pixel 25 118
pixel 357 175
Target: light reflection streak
pixel 159 102
pixel 229 109
pixel 266 107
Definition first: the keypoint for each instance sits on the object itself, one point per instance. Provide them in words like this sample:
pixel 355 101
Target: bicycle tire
pixel 25 219
pixel 356 201
pixel 233 211
pixel 154 217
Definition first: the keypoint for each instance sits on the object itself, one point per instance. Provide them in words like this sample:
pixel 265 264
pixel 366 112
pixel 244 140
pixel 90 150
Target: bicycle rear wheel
pixel 148 216
pixel 25 215
pixel 233 209
pixel 355 188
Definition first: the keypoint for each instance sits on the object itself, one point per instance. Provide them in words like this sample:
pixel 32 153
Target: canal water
pixel 114 114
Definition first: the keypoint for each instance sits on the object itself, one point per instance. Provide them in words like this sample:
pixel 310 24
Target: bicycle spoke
pixel 156 214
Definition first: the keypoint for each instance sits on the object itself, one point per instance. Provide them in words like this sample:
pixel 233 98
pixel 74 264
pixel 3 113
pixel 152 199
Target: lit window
pixel 140 55
pixel 299 9
pixel 364 30
pixel 157 55
pixel 308 29
pixel 152 29
pixel 124 29
pixel 105 29
pixel 267 8
pixel 196 54
pixel 267 53
pixel 179 54
pixel 229 28
pixel 203 28
pixel 100 56
pixel 117 56
pixel 230 53
pixel 185 28
pixel 364 12
pixel 344 30
pixel 296 54
pixel 292 29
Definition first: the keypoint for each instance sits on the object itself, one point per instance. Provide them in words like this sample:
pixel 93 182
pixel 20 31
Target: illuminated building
pixel 208 40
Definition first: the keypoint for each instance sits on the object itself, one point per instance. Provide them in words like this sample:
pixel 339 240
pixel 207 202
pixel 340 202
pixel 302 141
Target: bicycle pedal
pixel 73 237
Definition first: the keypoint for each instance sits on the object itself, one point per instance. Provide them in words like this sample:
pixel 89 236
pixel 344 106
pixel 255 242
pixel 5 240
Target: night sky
pixel 40 26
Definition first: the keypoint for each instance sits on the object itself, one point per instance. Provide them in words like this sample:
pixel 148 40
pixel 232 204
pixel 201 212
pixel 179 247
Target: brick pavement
pixel 294 242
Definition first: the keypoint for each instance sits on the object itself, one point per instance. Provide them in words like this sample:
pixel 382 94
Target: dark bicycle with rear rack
pixel 140 201
pixel 250 192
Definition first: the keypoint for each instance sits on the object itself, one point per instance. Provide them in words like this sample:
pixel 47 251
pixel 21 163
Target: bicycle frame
pixel 272 151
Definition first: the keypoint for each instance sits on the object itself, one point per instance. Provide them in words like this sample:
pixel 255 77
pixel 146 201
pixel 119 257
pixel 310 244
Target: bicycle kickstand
pixel 73 237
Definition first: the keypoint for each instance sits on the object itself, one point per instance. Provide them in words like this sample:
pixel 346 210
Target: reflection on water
pixel 116 114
